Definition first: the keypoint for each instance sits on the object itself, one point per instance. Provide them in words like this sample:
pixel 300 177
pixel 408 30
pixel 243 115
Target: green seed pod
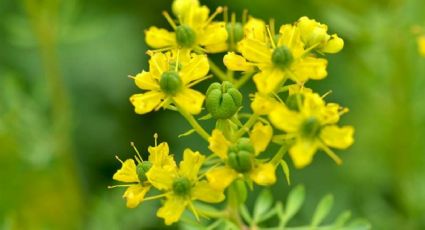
pixel 245 144
pixel 142 169
pixel 170 82
pixel 294 101
pixel 223 100
pixel 235 33
pixel 282 57
pixel 310 128
pixel 240 161
pixel 185 36
pixel 182 186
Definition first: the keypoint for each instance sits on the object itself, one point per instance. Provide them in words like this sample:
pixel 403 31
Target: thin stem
pixel 195 125
pixel 241 81
pixel 217 71
pixel 245 128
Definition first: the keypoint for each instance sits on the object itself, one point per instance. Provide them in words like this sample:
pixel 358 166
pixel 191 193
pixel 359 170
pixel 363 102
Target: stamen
pixel 216 12
pixel 331 154
pixel 119 185
pixel 122 162
pixel 199 80
pixel 137 151
pixel 151 52
pixel 156 197
pixel 169 19
pixel 177 61
pixel 232 31
pixel 132 77
pixel 192 207
pixel 326 94
pixel 270 37
pixel 244 16
pixel 272 26
pixel 225 15
pixel 155 136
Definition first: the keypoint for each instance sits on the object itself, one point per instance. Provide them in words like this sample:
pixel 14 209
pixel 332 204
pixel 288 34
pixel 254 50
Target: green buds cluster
pixel 142 169
pixel 182 186
pixel 223 100
pixel 170 82
pixel 185 36
pixel 241 155
pixel 282 57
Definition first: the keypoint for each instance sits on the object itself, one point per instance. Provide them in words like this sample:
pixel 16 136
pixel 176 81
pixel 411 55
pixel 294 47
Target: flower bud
pixel 142 169
pixel 282 57
pixel 241 155
pixel 170 82
pixel 185 36
pixel 223 100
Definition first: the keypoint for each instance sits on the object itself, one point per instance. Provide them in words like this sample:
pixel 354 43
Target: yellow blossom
pixel 240 158
pixel 311 125
pixel 421 45
pixel 168 82
pixel 277 61
pixel 181 186
pixel 195 30
pixel 263 104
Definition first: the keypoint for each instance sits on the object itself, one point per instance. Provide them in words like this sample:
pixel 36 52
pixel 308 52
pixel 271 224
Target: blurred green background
pixel 64 110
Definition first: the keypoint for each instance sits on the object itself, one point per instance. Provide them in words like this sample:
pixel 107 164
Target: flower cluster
pixel 284 112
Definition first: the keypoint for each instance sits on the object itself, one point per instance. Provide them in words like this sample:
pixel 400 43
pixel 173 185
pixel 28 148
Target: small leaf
pixel 263 204
pixel 322 210
pixel 342 219
pixel 206 117
pixel 285 169
pixel 187 133
pixel 294 202
pixel 358 224
pixel 245 214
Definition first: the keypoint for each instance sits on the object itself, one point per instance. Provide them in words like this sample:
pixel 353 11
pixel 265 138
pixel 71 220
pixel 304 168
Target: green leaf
pixel 294 202
pixel 285 169
pixel 342 219
pixel 206 117
pixel 322 210
pixel 263 204
pixel 358 224
pixel 245 214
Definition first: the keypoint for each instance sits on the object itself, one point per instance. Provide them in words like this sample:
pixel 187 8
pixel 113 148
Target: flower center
pixel 282 57
pixel 241 155
pixel 142 169
pixel 310 128
pixel 181 186
pixel 294 101
pixel 185 36
pixel 170 82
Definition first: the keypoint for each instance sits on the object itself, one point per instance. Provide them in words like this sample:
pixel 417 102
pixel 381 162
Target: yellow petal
pixel 237 63
pixel 160 38
pixel 263 104
pixel 263 174
pixel 268 80
pixel 159 155
pixel 285 119
pixel 192 162
pixel 255 51
pixel 302 152
pixel 297 88
pixel 313 105
pixel 161 178
pixel 421 45
pixel 221 177
pixel 289 36
pixel 146 102
pixel 216 47
pixel 255 29
pixel 182 7
pixel 135 194
pixel 218 144
pixel 312 32
pixel 213 34
pixel 260 136
pixel 146 81
pixel 337 137
pixel 190 100
pixel 205 192
pixel 334 45
pixel 172 209
pixel 309 68
pixel 331 113
pixel 158 63
pixel 127 172
pixel 195 69
pixel 196 17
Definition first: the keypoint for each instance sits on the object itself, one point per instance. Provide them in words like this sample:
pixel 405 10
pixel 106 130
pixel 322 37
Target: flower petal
pixel 309 68
pixel 190 100
pixel 135 194
pixel 146 102
pixel 162 178
pixel 146 81
pixel 255 51
pixel 213 34
pixel 334 45
pixel 195 69
pixel 302 152
pixel 218 144
pixel 158 63
pixel 127 172
pixel 172 209
pixel 205 192
pixel 285 119
pixel 237 63
pixel 160 38
pixel 337 137
pixel 263 104
pixel 221 177
pixel 268 80
pixel 263 174
pixel 192 162
pixel 160 155
pixel 255 29
pixel 260 136
pixel 421 45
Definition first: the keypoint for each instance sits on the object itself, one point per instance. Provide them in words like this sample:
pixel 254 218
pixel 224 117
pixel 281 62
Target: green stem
pixel 218 72
pixel 241 81
pixel 245 128
pixel 195 125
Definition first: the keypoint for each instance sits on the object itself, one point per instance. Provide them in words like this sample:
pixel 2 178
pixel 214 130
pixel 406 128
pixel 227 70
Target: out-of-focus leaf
pixel 286 171
pixel 263 204
pixel 322 210
pixel 294 201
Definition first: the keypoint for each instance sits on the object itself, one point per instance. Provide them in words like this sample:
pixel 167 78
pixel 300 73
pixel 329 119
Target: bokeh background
pixel 64 110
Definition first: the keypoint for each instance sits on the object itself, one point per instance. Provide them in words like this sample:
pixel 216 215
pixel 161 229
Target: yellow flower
pixel 195 29
pixel 240 158
pixel 255 29
pixel 136 174
pixel 421 45
pixel 315 36
pixel 278 62
pixel 181 186
pixel 311 125
pixel 168 82
pixel 263 104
